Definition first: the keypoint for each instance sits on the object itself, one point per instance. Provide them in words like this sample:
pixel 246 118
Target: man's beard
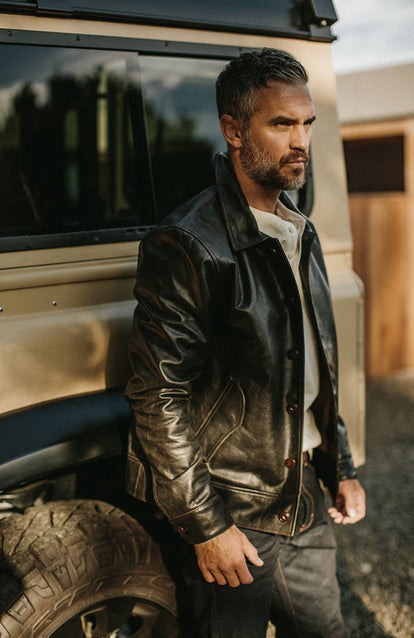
pixel 261 167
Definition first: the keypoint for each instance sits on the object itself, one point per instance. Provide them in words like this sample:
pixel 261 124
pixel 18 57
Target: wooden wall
pixel 383 236
pixel 382 228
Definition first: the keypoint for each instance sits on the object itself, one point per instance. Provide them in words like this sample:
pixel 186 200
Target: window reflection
pixel 182 124
pixel 96 140
pixel 68 158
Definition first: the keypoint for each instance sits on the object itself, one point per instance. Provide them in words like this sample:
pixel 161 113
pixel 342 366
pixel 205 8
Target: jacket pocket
pixel 224 417
pixel 138 479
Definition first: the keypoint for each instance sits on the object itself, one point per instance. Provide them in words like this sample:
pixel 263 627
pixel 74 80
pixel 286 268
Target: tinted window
pixel 96 146
pixel 69 151
pixel 79 151
pixel 182 124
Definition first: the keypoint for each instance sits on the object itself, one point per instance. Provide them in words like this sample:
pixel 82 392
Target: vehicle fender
pixel 56 436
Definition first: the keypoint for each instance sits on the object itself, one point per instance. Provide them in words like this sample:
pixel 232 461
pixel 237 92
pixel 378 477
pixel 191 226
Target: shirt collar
pixel 240 223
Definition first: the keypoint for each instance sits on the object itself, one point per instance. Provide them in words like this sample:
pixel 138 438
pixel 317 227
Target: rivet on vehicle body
pixel 1 309
pixel 54 303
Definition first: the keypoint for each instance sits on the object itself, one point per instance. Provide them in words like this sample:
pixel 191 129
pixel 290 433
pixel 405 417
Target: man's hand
pixel 349 506
pixel 223 559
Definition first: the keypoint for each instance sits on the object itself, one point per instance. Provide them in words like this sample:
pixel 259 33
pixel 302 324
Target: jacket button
pixel 181 530
pixel 290 463
pixel 292 408
pixel 292 354
pixel 284 517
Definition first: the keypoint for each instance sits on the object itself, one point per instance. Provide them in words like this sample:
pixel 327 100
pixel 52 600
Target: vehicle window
pixel 68 158
pixel 97 145
pixel 182 124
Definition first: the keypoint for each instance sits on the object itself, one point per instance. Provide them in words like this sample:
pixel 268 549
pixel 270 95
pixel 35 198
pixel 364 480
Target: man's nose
pixel 300 138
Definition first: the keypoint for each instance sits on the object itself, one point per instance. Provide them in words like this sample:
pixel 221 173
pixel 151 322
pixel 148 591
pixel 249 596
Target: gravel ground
pixel 376 567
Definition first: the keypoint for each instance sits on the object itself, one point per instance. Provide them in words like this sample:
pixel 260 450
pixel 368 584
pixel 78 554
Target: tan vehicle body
pixel 74 561
pixel 66 312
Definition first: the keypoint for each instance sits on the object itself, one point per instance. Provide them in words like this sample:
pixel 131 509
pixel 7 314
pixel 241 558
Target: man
pixel 234 385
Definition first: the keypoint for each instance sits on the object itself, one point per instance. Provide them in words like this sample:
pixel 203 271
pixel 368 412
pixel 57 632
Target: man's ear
pixel 231 130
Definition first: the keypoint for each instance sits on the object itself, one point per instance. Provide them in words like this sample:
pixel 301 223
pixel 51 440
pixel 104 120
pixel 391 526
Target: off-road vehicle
pixel 107 121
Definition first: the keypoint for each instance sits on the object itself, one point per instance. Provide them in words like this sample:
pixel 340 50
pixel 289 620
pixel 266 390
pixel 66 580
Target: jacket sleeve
pixel 346 469
pixel 345 466
pixel 177 279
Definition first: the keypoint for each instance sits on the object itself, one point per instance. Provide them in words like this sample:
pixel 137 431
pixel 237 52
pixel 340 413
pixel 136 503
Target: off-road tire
pixel 58 559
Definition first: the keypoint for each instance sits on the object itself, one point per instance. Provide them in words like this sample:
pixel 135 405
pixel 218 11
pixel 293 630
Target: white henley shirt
pixel 287 226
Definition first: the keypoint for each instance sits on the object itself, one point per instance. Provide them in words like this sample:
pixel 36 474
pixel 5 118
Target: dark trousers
pixel 296 588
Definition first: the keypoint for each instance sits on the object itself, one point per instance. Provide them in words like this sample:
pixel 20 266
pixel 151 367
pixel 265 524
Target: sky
pixel 373 33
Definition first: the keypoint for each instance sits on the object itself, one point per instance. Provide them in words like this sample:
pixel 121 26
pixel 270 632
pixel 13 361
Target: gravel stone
pixel 375 556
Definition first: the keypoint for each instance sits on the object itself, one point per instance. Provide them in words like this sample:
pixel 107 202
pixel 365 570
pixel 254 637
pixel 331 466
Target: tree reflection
pixel 77 153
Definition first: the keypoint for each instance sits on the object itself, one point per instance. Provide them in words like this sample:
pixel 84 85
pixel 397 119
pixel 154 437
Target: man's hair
pixel 238 83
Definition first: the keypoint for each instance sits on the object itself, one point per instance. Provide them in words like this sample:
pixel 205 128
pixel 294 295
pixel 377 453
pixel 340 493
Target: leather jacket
pixel 217 354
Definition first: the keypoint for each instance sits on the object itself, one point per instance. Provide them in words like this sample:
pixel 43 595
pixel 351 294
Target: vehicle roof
pixel 308 19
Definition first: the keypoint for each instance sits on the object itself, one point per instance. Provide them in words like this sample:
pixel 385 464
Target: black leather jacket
pixel 218 370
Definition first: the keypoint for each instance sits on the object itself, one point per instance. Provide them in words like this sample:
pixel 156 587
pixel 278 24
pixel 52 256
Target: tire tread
pixel 56 555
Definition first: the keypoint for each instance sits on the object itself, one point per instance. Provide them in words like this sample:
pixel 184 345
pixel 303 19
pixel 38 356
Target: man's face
pixel 275 150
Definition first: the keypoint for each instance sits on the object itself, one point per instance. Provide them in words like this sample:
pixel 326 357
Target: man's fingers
pixel 233 574
pixel 350 505
pixel 223 577
pixel 207 575
pixel 213 575
pixel 244 575
pixel 223 559
pixel 219 577
pixel 251 553
pixel 232 578
pixel 335 515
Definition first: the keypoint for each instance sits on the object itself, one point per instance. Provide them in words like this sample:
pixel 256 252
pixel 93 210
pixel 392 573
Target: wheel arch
pixel 73 432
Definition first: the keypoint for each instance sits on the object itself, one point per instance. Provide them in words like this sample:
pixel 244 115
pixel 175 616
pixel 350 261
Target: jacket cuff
pixel 203 523
pixel 346 469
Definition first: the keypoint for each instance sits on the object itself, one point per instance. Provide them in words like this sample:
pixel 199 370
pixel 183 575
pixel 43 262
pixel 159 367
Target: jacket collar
pixel 240 223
